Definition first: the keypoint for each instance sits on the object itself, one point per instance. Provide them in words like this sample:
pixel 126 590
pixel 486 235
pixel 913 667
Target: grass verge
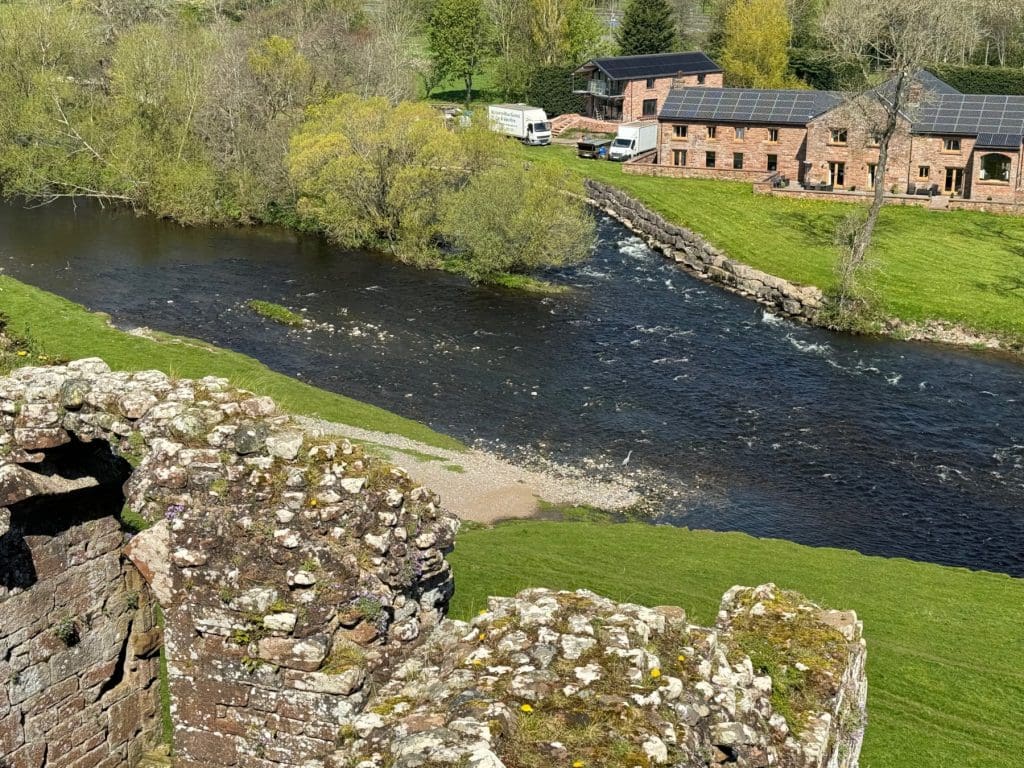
pixel 51 327
pixel 959 266
pixel 945 646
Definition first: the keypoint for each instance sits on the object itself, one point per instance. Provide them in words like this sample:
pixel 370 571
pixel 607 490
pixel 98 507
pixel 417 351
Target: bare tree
pixel 892 41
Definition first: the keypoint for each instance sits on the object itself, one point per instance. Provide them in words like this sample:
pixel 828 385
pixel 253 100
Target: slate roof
pixel 653 65
pixel 971 115
pixel 747 105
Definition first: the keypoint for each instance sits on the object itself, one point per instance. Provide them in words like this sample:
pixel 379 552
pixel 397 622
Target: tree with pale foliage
pixel 563 32
pixel 892 41
pixel 648 26
pixel 756 51
pixel 393 177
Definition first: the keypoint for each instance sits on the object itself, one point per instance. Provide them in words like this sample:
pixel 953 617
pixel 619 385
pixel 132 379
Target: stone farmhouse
pixel 628 88
pixel 955 150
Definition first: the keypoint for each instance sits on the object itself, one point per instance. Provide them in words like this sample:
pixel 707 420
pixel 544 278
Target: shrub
pixel 981 79
pixel 550 89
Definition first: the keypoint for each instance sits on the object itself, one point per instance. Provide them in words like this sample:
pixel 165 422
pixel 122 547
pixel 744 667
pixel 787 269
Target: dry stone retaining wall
pixel 703 259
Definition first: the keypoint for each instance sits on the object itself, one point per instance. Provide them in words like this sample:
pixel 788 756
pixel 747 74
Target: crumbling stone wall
pixel 304 585
pixel 290 572
pixel 78 642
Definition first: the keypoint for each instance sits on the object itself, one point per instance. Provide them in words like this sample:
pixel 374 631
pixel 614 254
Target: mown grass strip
pixel 945 645
pixel 959 266
pixel 57 328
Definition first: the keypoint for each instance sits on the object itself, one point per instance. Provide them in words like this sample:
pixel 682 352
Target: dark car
pixel 593 149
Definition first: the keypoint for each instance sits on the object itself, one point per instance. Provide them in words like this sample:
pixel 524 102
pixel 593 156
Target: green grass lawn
pixel 959 266
pixel 61 329
pixel 945 645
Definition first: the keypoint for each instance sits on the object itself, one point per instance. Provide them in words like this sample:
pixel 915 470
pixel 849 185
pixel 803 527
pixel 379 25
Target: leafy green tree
pixel 564 32
pixel 756 51
pixel 370 174
pixel 459 39
pixel 648 26
pixel 510 219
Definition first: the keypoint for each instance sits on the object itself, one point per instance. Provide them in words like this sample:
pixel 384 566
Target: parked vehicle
pixel 528 124
pixel 593 149
pixel 634 139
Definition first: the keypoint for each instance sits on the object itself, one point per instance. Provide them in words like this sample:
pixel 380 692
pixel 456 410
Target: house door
pixel 954 181
pixel 837 174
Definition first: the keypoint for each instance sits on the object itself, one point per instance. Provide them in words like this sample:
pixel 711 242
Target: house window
pixel 650 107
pixel 837 136
pixel 837 174
pixel 924 171
pixel 741 132
pixel 712 131
pixel 650 82
pixel 874 140
pixel 701 79
pixel 737 161
pixel 709 159
pixel 872 169
pixel 773 135
pixel 679 131
pixel 678 157
pixel 995 167
pixel 773 163
pixel 951 145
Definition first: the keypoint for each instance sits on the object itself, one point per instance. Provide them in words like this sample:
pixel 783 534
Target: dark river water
pixel 757 424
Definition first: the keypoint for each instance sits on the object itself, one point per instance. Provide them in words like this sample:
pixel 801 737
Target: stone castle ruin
pixel 297 588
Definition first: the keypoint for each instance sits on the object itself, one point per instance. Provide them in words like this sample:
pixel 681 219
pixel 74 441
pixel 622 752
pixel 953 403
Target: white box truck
pixel 528 124
pixel 634 139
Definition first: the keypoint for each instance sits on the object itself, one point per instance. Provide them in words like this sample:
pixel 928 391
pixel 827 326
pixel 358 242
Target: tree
pixel 510 219
pixel 563 32
pixel 892 40
pixel 510 20
pixel 648 26
pixel 459 39
pixel 755 53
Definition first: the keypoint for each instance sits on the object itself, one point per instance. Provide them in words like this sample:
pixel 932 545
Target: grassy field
pixel 959 266
pixel 60 329
pixel 945 645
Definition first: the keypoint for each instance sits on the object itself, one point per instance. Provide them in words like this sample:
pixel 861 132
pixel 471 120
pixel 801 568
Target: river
pixel 756 423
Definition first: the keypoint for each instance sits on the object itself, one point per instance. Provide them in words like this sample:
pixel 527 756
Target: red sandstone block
pixel 205 748
pixel 11 734
pixel 28 756
pixel 123 719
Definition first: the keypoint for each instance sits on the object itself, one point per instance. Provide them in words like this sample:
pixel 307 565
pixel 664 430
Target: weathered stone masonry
pixel 697 255
pixel 304 584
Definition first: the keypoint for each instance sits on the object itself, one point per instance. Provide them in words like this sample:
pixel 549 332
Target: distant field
pixel 959 266
pixel 945 645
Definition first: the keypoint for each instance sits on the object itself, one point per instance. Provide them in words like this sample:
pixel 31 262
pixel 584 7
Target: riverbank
pixel 945 662
pixel 950 277
pixel 476 485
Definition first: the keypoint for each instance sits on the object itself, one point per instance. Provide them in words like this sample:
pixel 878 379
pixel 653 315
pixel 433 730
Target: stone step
pixel 156 758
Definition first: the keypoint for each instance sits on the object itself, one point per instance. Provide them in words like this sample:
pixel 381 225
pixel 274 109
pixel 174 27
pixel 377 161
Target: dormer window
pixel 951 145
pixel 712 131
pixel 838 136
pixel 650 82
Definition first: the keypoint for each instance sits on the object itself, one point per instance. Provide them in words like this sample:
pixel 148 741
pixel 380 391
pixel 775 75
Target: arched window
pixel 995 167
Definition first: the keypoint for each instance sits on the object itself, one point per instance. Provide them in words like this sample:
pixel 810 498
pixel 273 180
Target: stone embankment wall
pixel 304 584
pixel 704 260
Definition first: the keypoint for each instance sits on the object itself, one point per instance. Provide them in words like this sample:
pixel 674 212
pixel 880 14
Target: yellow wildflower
pixel 526 708
pixel 22 353
pixel 578 764
pixel 312 502
pixel 655 672
pixel 482 636
pixel 681 657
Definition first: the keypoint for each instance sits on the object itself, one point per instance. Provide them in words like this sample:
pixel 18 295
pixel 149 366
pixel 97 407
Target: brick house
pixel 628 88
pixel 963 145
pixel 738 133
